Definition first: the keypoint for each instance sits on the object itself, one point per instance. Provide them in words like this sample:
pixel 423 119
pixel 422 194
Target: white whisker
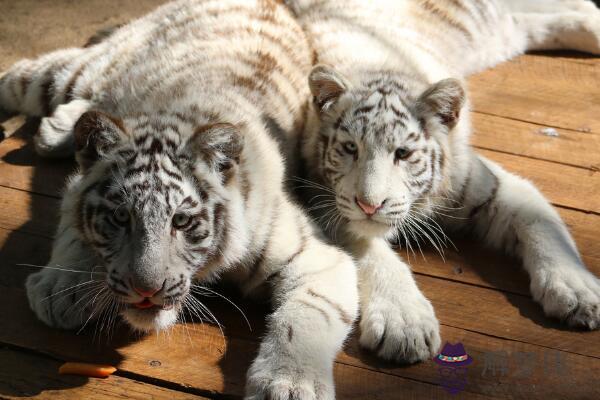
pixel 197 287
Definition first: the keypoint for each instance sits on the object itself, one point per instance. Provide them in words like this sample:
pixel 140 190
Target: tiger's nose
pixel 369 209
pixel 146 291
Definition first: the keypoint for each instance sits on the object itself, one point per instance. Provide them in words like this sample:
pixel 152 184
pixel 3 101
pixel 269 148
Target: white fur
pixel 419 43
pixel 55 138
pixel 162 82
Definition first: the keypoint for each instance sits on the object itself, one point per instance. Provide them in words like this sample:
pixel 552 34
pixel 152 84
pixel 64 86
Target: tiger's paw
pixel 59 299
pixel 572 295
pixel 276 378
pixel 403 330
pixel 55 137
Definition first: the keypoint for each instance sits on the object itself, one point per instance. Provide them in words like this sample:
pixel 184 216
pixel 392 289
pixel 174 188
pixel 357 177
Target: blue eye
pixel 350 147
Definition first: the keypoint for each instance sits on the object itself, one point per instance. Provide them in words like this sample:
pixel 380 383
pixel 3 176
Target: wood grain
pixel 563 185
pixel 21 168
pixel 28 212
pixel 29 29
pixel 219 364
pixel 505 315
pixel 192 357
pixel 526 139
pixel 542 90
pixel 36 377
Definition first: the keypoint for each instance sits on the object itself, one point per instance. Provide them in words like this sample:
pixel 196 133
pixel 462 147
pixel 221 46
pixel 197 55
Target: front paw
pixel 277 377
pixel 59 299
pixel 572 295
pixel 402 329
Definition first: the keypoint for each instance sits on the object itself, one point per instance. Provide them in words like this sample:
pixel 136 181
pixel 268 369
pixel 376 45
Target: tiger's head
pixel 383 146
pixel 153 205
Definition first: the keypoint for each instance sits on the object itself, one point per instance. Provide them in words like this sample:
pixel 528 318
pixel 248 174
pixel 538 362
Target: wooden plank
pixel 28 212
pixel 220 364
pixel 531 372
pixel 21 168
pixel 193 357
pixel 361 384
pixel 562 184
pixel 526 139
pixel 36 377
pixel 544 90
pixel 504 315
pixel 569 56
pixel 29 30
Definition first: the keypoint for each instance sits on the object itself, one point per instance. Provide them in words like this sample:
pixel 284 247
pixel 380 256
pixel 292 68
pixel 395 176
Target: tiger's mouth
pixel 147 304
pixel 146 316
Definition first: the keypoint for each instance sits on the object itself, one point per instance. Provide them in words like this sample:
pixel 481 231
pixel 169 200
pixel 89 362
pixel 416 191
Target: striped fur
pixel 180 122
pixel 388 135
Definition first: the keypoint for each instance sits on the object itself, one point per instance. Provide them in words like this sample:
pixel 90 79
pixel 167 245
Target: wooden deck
pixel 481 298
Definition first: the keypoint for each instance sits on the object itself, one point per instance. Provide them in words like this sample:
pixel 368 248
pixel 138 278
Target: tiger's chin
pixel 151 319
pixel 369 228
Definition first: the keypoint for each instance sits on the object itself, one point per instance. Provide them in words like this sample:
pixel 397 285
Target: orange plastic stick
pixel 85 369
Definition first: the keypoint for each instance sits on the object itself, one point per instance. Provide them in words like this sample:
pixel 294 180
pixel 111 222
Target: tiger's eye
pixel 181 221
pixel 350 147
pixel 402 153
pixel 225 166
pixel 121 216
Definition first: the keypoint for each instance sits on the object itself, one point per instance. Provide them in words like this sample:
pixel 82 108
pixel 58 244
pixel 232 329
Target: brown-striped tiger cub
pixel 176 120
pixel 389 138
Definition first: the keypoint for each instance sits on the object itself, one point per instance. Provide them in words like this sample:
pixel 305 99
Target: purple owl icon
pixel 453 362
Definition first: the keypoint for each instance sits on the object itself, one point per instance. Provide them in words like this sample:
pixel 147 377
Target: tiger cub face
pixel 152 204
pixel 383 151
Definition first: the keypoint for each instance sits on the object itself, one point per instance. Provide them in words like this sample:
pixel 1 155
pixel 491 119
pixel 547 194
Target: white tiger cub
pixel 176 119
pixel 389 136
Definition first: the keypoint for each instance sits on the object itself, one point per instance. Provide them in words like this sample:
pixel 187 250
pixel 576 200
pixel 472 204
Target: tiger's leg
pixel 34 87
pixel 43 88
pixel 397 321
pixel 562 24
pixel 509 213
pixel 315 295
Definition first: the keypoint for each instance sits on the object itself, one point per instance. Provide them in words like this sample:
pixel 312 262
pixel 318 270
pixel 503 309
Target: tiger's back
pixel 182 52
pixel 435 39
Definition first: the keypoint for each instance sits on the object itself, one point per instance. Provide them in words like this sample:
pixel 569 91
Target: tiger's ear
pixel 96 134
pixel 442 100
pixel 219 144
pixel 326 85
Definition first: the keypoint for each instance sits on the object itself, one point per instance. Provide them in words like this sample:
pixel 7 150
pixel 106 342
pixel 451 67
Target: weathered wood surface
pixel 27 375
pixel 481 298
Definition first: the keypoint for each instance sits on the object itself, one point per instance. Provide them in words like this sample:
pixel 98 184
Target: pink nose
pixel 367 208
pixel 147 292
